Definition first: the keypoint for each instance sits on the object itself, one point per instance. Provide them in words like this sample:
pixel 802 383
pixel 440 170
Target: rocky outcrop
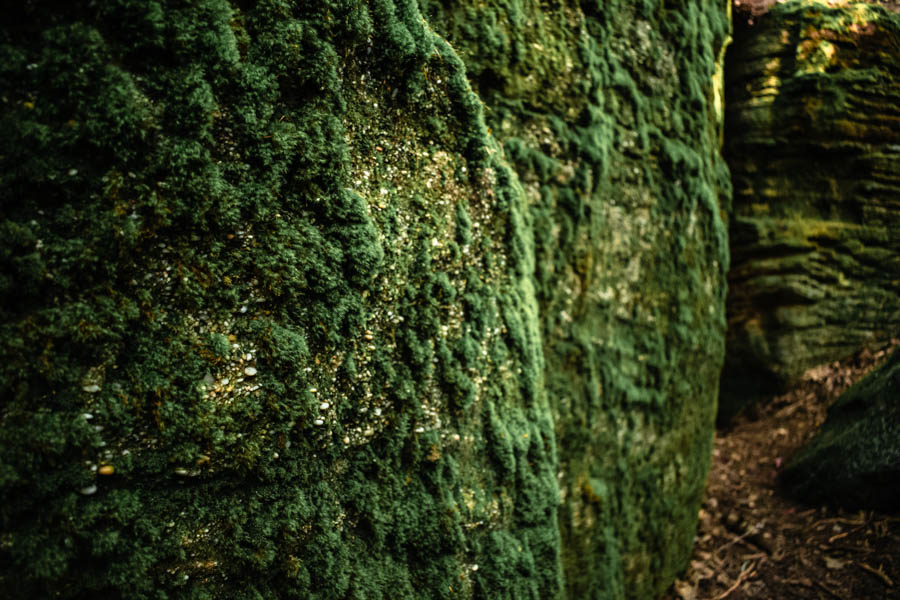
pixel 288 310
pixel 813 142
pixel 854 459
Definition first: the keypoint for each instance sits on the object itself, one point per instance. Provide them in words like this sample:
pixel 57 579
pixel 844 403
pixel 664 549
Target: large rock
pixel 609 116
pixel 267 317
pixel 813 142
pixel 280 320
pixel 854 459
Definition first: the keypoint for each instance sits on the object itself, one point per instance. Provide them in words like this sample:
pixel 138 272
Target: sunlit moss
pixel 273 256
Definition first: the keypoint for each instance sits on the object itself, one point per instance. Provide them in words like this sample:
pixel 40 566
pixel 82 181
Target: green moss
pixel 259 263
pixel 609 116
pixel 272 266
pixel 854 459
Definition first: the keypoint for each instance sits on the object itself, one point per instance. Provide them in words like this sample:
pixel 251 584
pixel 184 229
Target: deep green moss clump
pixel 266 331
pixel 280 321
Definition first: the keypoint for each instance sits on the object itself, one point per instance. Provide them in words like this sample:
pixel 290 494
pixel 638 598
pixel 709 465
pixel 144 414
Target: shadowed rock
pixel 854 459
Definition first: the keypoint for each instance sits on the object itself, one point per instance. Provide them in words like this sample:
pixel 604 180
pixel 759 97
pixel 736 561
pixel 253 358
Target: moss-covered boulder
pixel 854 459
pixel 268 328
pixel 813 142
pixel 609 115
pixel 281 318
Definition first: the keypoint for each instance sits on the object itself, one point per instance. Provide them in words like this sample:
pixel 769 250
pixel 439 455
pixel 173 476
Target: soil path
pixel 754 543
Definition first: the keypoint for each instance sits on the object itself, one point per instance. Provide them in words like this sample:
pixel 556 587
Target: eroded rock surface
pixel 813 142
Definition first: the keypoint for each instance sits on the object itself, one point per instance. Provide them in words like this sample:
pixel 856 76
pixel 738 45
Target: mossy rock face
pixel 609 113
pixel 282 318
pixel 267 330
pixel 854 459
pixel 813 142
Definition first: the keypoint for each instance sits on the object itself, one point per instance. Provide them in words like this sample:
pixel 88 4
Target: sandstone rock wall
pixel 288 310
pixel 813 142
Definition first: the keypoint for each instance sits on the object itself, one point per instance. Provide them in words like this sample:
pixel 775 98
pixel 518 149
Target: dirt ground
pixel 754 543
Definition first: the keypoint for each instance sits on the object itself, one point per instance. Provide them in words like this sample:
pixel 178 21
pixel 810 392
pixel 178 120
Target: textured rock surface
pixel 609 117
pixel 813 142
pixel 854 460
pixel 278 320
pixel 261 265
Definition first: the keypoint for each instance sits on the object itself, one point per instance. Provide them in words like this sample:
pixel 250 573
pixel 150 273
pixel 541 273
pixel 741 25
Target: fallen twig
pixel 741 578
pixel 834 538
pixel 878 573
pixel 738 538
pixel 844 520
pixel 804 582
pixel 828 589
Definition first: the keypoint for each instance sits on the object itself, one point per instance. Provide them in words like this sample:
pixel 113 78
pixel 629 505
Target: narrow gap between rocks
pixel 753 542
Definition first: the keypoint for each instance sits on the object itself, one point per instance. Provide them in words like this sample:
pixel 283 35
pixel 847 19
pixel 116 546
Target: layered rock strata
pixel 813 142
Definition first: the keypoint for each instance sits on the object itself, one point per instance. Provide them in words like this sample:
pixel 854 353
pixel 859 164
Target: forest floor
pixel 752 542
